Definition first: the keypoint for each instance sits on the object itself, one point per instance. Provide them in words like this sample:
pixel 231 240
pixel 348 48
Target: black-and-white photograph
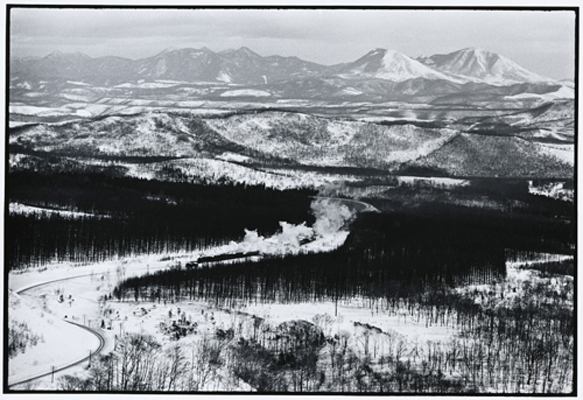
pixel 290 199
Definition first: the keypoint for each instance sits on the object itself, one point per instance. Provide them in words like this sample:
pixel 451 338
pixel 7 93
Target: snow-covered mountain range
pixel 466 113
pixel 376 75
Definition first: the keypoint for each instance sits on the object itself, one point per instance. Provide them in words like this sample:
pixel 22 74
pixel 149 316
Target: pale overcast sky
pixel 540 41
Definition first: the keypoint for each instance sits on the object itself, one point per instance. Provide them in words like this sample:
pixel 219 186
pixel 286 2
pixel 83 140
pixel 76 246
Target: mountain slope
pixel 292 139
pixel 392 66
pixel 483 66
pixel 494 156
pixel 552 122
pixel 311 140
pixel 241 66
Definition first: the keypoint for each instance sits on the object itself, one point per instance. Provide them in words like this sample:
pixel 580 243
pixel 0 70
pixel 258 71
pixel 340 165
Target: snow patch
pixel 563 152
pixel 433 181
pixel 78 83
pixel 19 208
pixel 245 92
pixel 563 92
pixel 34 94
pixel 234 157
pixel 352 91
pixel 224 77
pixel 24 85
pixel 83 113
pixel 554 190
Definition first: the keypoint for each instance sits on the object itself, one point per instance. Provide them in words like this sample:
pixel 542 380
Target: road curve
pixel 360 206
pixel 95 332
pixel 70 365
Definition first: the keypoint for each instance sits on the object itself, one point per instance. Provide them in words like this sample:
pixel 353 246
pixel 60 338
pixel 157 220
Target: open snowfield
pixel 45 315
pixel 563 152
pixel 44 299
pixel 44 310
pixel 59 342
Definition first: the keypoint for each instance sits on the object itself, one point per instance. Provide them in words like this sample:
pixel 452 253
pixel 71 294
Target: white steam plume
pixel 328 232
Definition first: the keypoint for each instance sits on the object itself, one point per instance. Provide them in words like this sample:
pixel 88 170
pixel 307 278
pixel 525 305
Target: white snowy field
pixel 61 342
pixel 563 152
pixel 44 312
pixel 42 300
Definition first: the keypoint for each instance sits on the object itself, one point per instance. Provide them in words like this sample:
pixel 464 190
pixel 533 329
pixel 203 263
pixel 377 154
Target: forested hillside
pixel 127 216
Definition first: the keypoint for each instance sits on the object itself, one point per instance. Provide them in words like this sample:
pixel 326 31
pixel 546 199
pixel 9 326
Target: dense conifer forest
pixel 386 255
pixel 407 265
pixel 126 216
pixel 421 260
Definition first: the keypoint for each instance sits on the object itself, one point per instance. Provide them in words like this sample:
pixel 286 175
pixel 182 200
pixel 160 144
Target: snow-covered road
pixel 67 341
pixel 74 359
pixel 102 344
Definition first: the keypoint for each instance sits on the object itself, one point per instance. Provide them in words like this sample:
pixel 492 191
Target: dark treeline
pixel 385 256
pixel 520 221
pixel 512 338
pixel 19 149
pixel 391 255
pixel 102 193
pixel 508 230
pixel 132 216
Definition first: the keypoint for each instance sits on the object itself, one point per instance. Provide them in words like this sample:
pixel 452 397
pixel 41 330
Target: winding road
pixel 102 339
pixel 82 360
pixel 359 206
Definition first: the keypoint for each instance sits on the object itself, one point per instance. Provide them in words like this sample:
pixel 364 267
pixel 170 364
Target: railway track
pixel 359 206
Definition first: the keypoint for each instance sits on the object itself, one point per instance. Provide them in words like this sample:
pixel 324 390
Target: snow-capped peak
pixel 483 66
pixel 392 65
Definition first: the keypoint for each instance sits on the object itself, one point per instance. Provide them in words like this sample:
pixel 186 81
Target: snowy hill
pixel 297 139
pixel 563 92
pixel 551 122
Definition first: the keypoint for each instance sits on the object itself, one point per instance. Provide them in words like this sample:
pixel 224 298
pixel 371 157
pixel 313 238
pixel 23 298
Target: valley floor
pixel 366 328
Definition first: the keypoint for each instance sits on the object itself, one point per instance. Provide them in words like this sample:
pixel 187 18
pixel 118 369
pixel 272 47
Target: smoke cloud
pixel 328 232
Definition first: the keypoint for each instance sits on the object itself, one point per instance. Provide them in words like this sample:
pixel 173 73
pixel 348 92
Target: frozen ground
pixel 44 299
pixel 60 342
pixel 44 311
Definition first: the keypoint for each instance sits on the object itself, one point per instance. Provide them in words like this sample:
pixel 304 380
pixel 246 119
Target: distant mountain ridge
pixel 241 66
pixel 244 66
pixel 380 75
